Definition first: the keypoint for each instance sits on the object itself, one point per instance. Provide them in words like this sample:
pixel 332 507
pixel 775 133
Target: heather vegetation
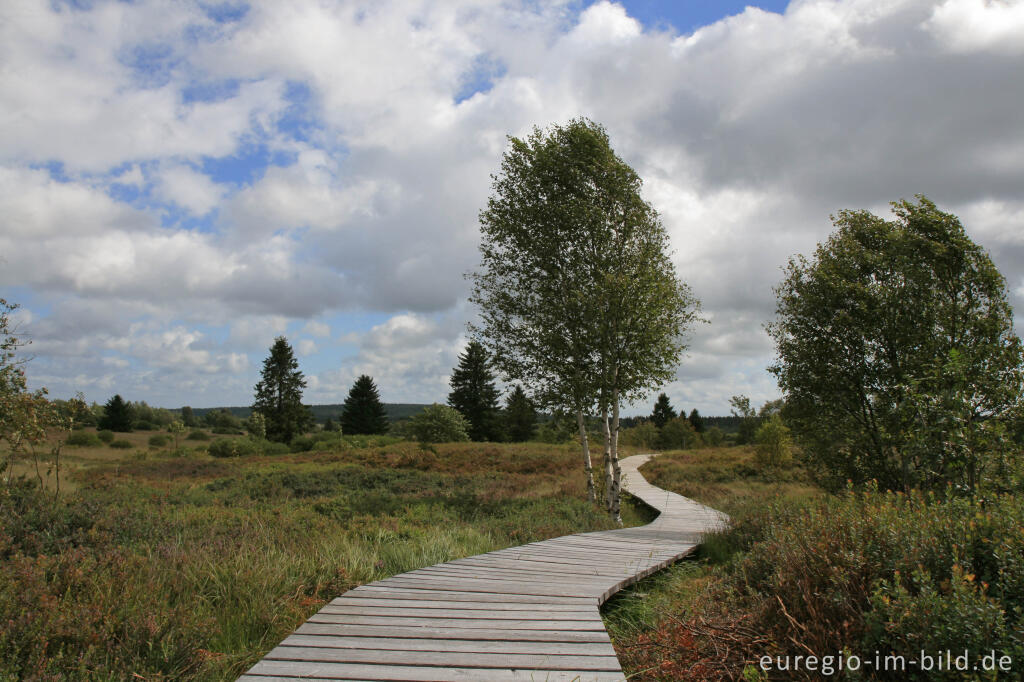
pixel 176 564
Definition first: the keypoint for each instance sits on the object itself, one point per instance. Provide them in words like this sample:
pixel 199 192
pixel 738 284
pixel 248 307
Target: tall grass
pixel 187 567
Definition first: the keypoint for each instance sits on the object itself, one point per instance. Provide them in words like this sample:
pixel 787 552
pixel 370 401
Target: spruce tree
pixel 520 417
pixel 117 415
pixel 696 421
pixel 474 395
pixel 663 411
pixel 279 394
pixel 364 412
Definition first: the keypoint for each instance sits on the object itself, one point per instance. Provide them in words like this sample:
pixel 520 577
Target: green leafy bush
pixel 642 435
pixel 774 445
pixel 83 439
pixel 121 444
pixel 888 571
pixel 233 447
pixel 439 424
pixel 105 435
pixel 159 440
pixel 197 435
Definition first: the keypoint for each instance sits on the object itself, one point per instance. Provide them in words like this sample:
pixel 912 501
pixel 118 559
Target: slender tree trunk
pixel 588 466
pixel 616 508
pixel 607 460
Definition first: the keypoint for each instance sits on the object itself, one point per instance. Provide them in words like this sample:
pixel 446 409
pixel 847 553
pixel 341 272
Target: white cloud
pixel 748 134
pixel 979 25
pixel 188 188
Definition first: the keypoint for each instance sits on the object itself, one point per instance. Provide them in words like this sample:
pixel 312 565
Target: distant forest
pixel 399 411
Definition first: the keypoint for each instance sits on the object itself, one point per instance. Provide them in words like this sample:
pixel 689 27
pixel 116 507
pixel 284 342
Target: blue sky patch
pixel 686 16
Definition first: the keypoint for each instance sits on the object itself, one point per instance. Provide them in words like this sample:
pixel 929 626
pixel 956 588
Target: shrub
pixel 106 435
pixel 144 425
pixel 83 439
pixel 121 444
pixel 774 446
pixel 159 440
pixel 678 434
pixel 888 572
pixel 642 435
pixel 226 431
pixel 234 447
pixel 198 435
pixel 714 437
pixel 439 424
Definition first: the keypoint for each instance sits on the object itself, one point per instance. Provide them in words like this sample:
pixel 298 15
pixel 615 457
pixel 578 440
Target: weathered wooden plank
pixel 447 659
pixel 457 613
pixel 460 623
pixel 507 587
pixel 460 645
pixel 385 592
pixel 453 604
pixel 498 634
pixel 354 671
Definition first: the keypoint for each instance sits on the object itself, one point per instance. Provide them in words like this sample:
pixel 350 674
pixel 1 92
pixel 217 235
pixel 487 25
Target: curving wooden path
pixel 523 613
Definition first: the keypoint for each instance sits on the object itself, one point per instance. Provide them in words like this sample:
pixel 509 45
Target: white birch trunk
pixel 616 507
pixel 608 474
pixel 588 466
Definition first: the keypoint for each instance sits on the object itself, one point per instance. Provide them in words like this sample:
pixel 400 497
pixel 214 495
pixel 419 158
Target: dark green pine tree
pixel 117 415
pixel 474 395
pixel 363 411
pixel 696 421
pixel 663 411
pixel 279 394
pixel 520 417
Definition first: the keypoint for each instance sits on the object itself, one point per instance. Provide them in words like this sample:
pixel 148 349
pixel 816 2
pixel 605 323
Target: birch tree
pixel 578 298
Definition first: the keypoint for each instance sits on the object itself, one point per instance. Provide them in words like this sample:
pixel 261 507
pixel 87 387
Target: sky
pixel 181 182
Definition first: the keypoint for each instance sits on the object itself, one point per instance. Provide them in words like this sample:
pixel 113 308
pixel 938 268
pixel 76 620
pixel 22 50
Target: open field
pixel 175 565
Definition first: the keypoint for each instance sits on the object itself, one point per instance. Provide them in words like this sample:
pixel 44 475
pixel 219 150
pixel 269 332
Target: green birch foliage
pixel 577 295
pixel 896 351
pixel 279 394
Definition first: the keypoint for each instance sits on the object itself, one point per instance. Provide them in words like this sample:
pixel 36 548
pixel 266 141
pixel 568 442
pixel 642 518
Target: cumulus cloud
pixel 197 186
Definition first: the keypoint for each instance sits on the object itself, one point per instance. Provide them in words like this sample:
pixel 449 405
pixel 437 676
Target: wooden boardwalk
pixel 523 613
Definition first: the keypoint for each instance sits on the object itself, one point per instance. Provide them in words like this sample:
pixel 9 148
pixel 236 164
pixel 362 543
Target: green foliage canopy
pixel 896 351
pixel 439 424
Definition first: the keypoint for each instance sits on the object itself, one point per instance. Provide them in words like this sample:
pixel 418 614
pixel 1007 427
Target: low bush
pixel 197 435
pixel 144 425
pixel 233 447
pixel 105 435
pixel 159 440
pixel 83 439
pixel 121 444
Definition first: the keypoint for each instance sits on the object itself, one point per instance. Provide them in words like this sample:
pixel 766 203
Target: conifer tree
pixel 117 415
pixel 279 394
pixel 364 413
pixel 520 416
pixel 696 421
pixel 474 395
pixel 663 411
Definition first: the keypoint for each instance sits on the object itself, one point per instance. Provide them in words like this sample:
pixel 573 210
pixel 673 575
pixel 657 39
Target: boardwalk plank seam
pixel 520 613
